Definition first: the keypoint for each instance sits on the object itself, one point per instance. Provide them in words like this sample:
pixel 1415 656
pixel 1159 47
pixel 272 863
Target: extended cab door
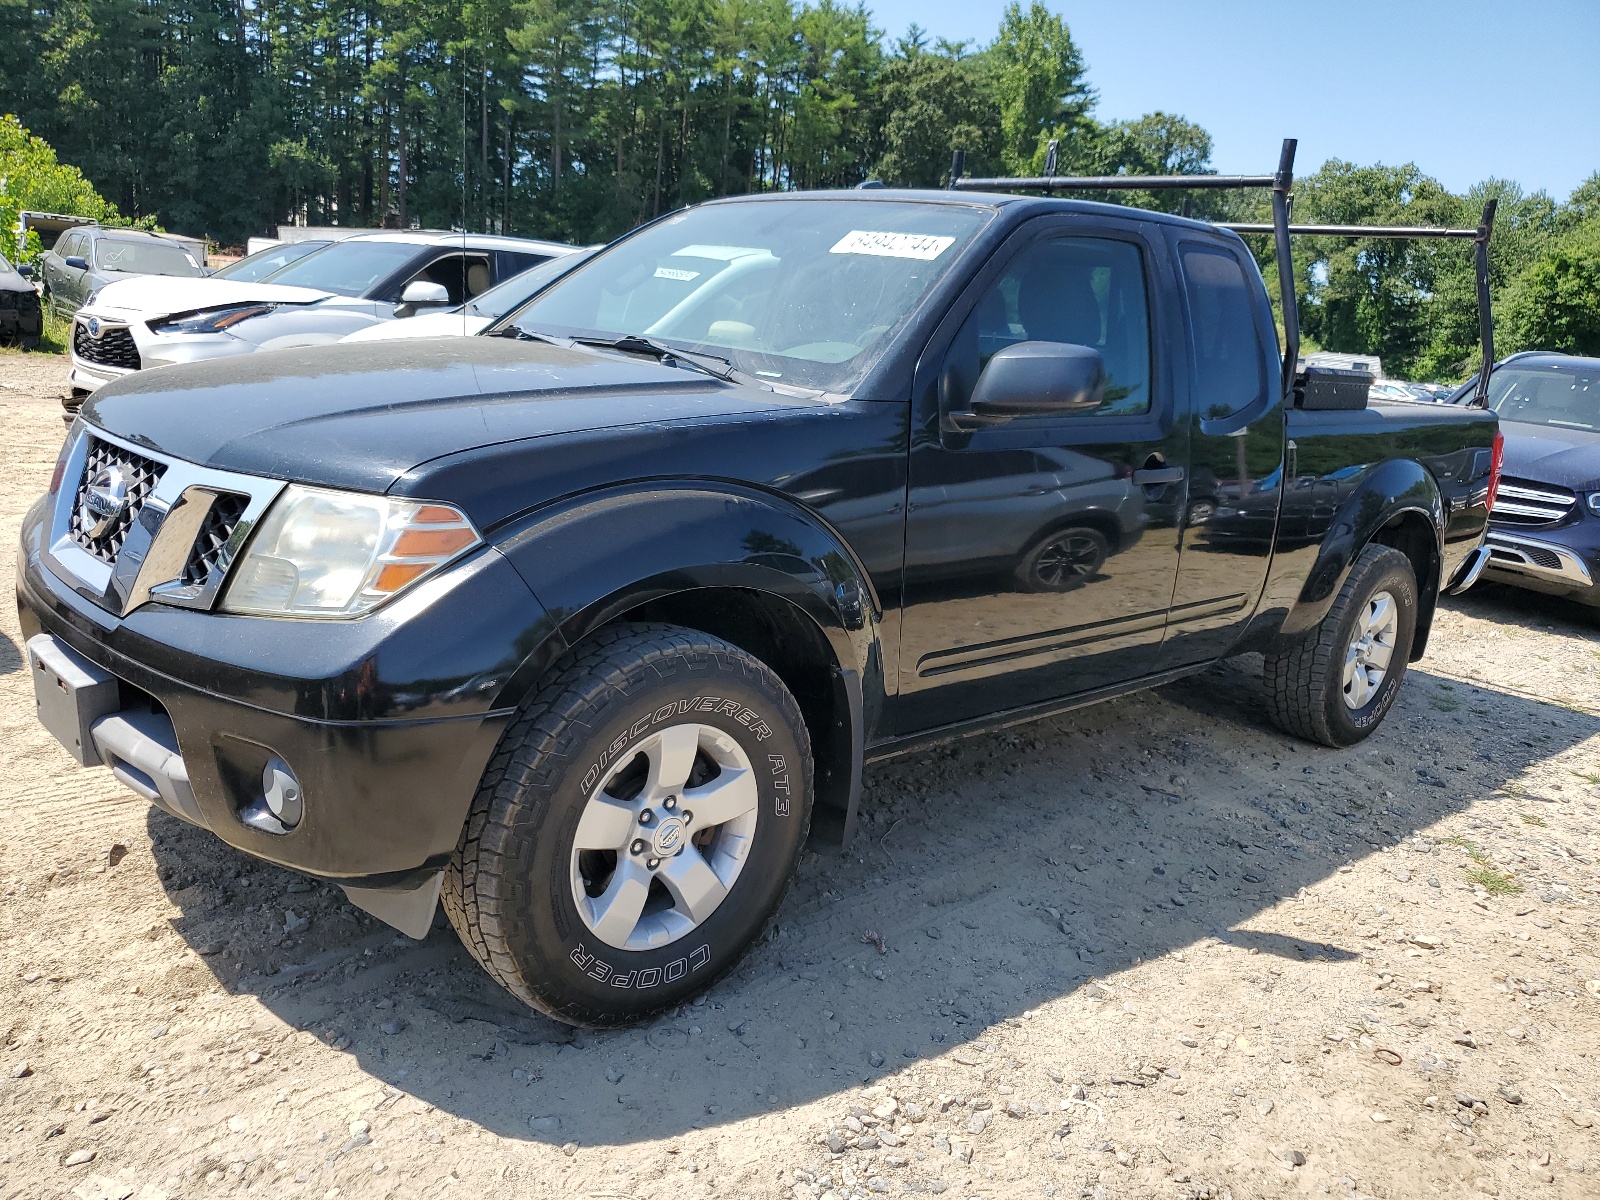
pixel 1041 552
pixel 1236 447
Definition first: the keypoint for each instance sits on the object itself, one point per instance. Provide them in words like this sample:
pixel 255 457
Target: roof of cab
pixel 994 200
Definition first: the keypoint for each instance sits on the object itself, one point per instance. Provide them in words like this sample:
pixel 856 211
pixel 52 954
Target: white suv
pixel 351 284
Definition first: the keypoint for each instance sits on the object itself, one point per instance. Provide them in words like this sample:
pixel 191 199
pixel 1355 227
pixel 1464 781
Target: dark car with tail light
pixel 585 626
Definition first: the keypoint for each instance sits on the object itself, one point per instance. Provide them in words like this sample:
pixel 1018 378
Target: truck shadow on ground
pixel 10 656
pixel 999 873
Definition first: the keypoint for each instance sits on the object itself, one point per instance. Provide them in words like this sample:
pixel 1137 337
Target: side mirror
pixel 76 262
pixel 25 270
pixel 420 291
pixel 1035 379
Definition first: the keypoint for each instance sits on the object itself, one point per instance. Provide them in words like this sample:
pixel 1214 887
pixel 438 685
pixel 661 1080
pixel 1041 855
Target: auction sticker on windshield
pixel 925 246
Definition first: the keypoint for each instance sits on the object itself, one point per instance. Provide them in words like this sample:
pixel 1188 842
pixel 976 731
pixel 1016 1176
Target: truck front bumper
pixel 179 706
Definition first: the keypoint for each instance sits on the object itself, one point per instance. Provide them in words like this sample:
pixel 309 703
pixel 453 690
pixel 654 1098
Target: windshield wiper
pixel 666 355
pixel 524 335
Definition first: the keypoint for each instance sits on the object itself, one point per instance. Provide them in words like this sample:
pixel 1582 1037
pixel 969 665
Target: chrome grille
pixel 140 475
pixel 206 555
pixel 113 348
pixel 1523 502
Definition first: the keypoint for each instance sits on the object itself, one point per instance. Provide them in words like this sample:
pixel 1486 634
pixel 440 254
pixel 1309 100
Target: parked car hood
pixel 10 281
pixel 434 324
pixel 146 296
pixel 363 416
pixel 1548 454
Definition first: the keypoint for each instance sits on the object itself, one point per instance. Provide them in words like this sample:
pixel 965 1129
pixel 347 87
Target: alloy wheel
pixel 664 837
pixel 1072 557
pixel 1366 660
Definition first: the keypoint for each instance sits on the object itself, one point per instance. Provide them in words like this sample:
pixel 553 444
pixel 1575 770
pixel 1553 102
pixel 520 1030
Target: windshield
pixel 347 268
pixel 4 265
pixel 1568 397
pixel 264 262
pixel 506 295
pixel 800 292
pixel 144 258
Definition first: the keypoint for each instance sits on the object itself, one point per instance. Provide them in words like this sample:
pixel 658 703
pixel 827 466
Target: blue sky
pixel 1466 89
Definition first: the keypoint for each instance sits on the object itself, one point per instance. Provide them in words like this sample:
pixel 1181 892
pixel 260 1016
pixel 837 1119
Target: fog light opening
pixel 281 803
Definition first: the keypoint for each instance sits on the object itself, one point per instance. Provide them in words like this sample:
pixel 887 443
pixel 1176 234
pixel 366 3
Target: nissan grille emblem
pixel 103 501
pixel 94 327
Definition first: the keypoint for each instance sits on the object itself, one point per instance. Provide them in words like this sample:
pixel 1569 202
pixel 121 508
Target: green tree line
pixel 573 119
pixel 577 119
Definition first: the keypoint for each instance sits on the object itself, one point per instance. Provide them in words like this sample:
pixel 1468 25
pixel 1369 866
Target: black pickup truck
pixel 583 624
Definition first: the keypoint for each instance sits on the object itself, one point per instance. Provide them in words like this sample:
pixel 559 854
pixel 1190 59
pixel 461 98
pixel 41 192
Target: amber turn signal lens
pixel 395 576
pixel 432 543
pixel 436 514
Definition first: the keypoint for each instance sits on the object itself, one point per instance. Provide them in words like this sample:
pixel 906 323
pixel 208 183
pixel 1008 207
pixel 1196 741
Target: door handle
pixel 1158 476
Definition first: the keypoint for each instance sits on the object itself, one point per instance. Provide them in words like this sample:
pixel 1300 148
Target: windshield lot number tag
pixel 926 247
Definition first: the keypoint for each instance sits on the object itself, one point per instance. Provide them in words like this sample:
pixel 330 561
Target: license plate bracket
pixel 70 694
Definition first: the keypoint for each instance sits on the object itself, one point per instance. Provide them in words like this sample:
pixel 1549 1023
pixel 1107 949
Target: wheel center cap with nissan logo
pixel 103 502
pixel 668 838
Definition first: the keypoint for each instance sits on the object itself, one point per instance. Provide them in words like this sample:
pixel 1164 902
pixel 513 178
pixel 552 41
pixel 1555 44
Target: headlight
pixel 214 321
pixel 1593 500
pixel 321 553
pixel 93 296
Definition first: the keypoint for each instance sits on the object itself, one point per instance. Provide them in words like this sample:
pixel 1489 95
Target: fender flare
pixel 592 557
pixel 1389 490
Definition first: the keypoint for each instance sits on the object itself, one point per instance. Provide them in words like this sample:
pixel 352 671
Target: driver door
pixel 1041 552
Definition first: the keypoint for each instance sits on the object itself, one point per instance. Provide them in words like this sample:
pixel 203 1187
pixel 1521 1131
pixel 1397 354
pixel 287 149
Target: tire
pixel 1308 684
pixel 603 727
pixel 1066 559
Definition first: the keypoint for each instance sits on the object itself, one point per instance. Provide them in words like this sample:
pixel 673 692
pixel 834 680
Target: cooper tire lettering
pixel 647 977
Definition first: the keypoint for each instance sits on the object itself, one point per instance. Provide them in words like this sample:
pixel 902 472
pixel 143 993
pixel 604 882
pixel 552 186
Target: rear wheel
pixel 637 827
pixel 1337 684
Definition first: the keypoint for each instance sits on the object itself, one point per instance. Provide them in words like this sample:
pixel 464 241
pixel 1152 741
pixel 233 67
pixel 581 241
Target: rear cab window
pixel 1229 371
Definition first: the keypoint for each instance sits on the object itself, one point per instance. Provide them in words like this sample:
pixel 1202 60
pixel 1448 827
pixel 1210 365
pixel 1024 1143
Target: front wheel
pixel 1337 684
pixel 1064 560
pixel 639 824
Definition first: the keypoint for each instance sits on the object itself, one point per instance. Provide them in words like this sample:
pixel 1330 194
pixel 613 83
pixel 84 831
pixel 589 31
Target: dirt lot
pixel 1148 949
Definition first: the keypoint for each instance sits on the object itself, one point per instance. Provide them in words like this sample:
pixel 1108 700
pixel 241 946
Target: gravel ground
pixel 1152 948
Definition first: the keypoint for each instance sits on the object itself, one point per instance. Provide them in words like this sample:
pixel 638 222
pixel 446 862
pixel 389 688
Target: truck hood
pixel 362 416
pixel 142 297
pixel 1548 454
